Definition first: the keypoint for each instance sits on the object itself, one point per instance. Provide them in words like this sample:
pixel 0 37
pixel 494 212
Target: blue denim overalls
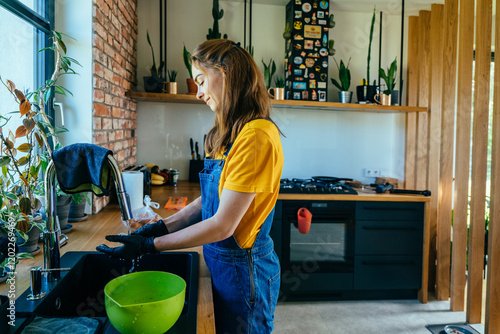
pixel 245 281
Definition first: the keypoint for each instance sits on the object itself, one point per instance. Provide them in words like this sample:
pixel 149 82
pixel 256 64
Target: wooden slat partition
pixel 435 101
pixel 423 99
pixel 492 323
pixel 412 100
pixel 447 141
pixel 479 161
pixel 462 153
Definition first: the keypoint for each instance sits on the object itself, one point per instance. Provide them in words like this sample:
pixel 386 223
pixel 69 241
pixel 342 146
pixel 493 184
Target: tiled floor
pixel 346 317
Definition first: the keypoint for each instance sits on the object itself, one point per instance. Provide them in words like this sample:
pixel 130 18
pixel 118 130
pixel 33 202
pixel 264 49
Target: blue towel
pixel 41 325
pixel 83 167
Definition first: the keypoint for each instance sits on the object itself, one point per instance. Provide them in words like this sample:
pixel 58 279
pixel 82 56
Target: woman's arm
pixel 233 205
pixel 189 215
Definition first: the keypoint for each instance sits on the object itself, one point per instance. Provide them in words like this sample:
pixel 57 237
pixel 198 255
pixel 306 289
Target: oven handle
pixel 385 263
pixel 389 228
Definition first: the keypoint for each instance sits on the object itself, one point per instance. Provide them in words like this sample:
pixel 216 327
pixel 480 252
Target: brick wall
pixel 114 73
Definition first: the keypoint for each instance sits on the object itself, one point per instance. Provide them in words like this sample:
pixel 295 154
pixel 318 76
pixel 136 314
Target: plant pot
pixel 192 88
pixel 77 211
pixel 153 84
pixel 345 97
pixel 366 93
pixel 63 203
pixel 31 245
pixel 171 87
pixel 395 98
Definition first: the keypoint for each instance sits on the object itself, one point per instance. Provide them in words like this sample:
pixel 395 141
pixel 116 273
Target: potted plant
pixel 366 92
pixel 154 82
pixel 171 84
pixel 24 151
pixel 279 89
pixel 345 95
pixel 213 33
pixel 269 71
pixel 390 81
pixel 192 89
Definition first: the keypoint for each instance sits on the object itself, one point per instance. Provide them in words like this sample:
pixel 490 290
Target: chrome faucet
pixel 51 251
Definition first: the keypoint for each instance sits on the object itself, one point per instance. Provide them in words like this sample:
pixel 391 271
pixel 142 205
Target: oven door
pixel 329 244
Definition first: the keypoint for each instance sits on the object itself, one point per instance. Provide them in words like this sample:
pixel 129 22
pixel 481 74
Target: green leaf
pixel 21 256
pixel 4 161
pixel 10 195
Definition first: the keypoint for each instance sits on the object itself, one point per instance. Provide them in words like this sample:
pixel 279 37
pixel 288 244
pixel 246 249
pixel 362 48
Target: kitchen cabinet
pixel 191 99
pixel 388 245
pixel 387 237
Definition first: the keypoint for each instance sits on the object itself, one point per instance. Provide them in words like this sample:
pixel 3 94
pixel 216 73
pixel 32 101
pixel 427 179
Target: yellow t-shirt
pixel 254 165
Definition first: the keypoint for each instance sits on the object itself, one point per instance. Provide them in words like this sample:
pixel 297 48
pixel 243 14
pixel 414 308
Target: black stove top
pixel 317 185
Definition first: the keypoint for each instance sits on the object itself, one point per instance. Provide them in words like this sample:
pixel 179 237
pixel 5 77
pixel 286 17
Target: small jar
pixel 173 175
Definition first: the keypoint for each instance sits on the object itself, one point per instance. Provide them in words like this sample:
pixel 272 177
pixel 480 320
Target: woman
pixel 239 188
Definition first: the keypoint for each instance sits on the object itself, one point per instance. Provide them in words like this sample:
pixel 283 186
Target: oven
pixel 320 262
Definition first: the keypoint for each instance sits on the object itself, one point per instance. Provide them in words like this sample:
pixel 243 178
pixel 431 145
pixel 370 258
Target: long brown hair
pixel 244 94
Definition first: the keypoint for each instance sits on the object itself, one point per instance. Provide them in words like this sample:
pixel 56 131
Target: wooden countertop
pixel 367 194
pixel 90 233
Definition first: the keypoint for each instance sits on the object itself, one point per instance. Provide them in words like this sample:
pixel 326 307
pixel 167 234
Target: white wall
pixel 318 142
pixel 74 18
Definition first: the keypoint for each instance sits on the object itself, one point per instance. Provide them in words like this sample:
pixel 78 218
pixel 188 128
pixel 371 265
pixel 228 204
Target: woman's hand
pixel 152 230
pixel 133 246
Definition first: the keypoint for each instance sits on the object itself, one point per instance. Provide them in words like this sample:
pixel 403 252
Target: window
pixel 25 29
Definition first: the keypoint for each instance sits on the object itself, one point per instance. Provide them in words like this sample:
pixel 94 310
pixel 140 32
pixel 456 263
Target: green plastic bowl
pixel 144 302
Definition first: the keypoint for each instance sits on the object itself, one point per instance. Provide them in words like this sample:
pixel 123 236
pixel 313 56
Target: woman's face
pixel 210 82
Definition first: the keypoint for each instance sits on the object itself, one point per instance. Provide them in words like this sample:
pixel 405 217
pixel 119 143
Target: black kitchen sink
pixel 80 292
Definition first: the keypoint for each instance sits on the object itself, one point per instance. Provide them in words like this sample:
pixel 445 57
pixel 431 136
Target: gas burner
pixel 316 185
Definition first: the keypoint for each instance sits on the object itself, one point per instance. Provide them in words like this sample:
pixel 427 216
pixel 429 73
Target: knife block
pixel 195 166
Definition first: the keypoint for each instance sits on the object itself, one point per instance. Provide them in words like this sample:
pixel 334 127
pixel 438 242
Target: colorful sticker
pixel 313 55
pixel 312 83
pixel 317 68
pixel 311 31
pixel 311 75
pixel 298 2
pixel 323 52
pixel 305 95
pixel 302 66
pixel 303 54
pixel 299 85
pixel 309 62
pixel 296 96
pixel 322 85
pixel 306 7
pixel 321 15
pixel 307 19
pixel 298 14
pixel 298 46
pixel 315 4
pixel 323 4
pixel 298 37
pixel 322 77
pixel 314 96
pixel 297 25
pixel 313 19
pixel 325 63
pixel 308 44
pixel 297 60
pixel 317 43
pixel 297 72
pixel 322 95
pixel 322 22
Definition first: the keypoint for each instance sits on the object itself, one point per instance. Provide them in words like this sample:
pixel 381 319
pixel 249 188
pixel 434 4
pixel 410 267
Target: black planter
pixel 395 98
pixel 77 211
pixel 366 93
pixel 62 207
pixel 153 84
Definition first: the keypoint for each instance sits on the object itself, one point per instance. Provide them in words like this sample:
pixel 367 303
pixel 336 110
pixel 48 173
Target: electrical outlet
pixel 370 172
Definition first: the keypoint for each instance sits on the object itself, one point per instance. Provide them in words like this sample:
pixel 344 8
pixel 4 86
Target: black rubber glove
pixel 133 246
pixel 152 230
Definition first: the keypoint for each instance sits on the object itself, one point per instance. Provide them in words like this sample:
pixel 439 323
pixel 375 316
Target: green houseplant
pixel 26 149
pixel 343 86
pixel 214 33
pixel 390 80
pixel 154 82
pixel 366 92
pixel 269 70
pixel 171 84
pixel 192 89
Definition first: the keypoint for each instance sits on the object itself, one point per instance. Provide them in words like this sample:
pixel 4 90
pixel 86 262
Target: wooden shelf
pixel 184 98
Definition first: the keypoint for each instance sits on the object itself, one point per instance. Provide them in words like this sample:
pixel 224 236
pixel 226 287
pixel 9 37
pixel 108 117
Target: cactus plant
pixel 370 49
pixel 213 33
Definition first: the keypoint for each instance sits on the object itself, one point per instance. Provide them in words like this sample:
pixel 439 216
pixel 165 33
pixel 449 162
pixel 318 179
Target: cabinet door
pixel 390 211
pixel 388 237
pixel 387 272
